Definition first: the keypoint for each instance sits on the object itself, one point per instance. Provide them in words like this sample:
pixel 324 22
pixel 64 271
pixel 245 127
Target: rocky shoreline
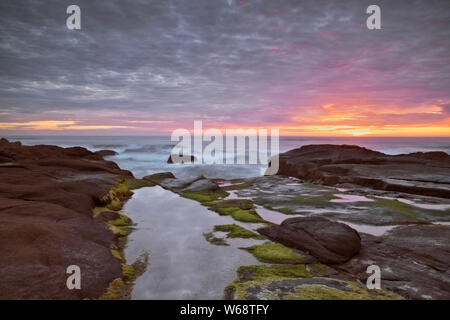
pixel 59 207
pixel 425 174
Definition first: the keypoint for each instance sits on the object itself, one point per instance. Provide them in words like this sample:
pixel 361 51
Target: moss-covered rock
pixel 235 231
pixel 120 288
pixel 240 209
pixel 158 177
pixel 297 282
pixel 205 197
pixel 215 240
pixel 275 253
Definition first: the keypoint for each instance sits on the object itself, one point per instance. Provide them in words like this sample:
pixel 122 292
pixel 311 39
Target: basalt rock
pixel 202 185
pixel 192 160
pixel 330 242
pixel 47 194
pixel 105 153
pixel 414 261
pixel 426 174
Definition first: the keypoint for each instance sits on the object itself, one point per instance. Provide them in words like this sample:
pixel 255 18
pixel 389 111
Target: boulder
pixel 158 177
pixel 330 242
pixel 192 160
pixel 105 153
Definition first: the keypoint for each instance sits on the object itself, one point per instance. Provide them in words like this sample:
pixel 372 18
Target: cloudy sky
pixel 151 66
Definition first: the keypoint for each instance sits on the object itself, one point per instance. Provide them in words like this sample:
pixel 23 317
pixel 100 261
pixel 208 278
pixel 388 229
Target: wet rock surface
pixel 402 199
pixel 414 261
pixel 47 194
pixel 426 174
pixel 330 242
pixel 350 203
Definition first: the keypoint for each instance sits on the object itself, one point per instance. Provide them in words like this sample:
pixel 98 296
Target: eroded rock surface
pixel 414 261
pixel 426 174
pixel 47 194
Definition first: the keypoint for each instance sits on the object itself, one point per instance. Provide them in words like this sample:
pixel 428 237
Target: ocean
pixel 144 155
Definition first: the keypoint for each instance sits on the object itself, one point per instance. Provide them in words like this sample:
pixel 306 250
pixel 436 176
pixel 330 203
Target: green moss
pixel 285 210
pixel 330 214
pixel 250 276
pixel 240 209
pixel 273 272
pixel 258 277
pixel 121 225
pixel 243 204
pixel 116 252
pixel 120 288
pixel 116 196
pixel 133 184
pixel 275 253
pixel 214 240
pixel 395 206
pixel 210 203
pixel 235 231
pixel 6 164
pixel 115 205
pixel 115 290
pixel 205 197
pixel 246 216
pixel 240 186
pixel 128 270
pixel 323 292
pixel 121 222
pixel 158 177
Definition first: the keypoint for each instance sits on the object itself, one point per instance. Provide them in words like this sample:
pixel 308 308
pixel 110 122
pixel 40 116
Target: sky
pixel 148 67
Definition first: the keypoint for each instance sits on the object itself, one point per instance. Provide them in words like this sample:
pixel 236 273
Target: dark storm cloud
pixel 206 58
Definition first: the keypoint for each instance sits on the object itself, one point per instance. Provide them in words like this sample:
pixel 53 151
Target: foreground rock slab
pixel 414 261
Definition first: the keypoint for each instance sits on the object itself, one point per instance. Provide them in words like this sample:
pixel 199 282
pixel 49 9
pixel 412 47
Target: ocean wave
pixel 109 146
pixel 149 148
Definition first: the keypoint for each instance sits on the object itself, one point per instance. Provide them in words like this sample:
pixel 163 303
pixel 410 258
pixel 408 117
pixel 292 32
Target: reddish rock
pixel 328 241
pixel 47 194
pixel 419 173
pixel 105 153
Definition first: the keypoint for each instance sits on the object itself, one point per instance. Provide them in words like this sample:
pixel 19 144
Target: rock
pixel 414 261
pixel 158 177
pixel 202 185
pixel 5 159
pixel 426 174
pixel 105 153
pixel 46 222
pixel 330 242
pixel 108 215
pixel 193 159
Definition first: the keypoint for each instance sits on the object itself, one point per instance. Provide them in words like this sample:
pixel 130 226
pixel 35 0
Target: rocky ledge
pixel 58 207
pixel 425 174
pixel 414 260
